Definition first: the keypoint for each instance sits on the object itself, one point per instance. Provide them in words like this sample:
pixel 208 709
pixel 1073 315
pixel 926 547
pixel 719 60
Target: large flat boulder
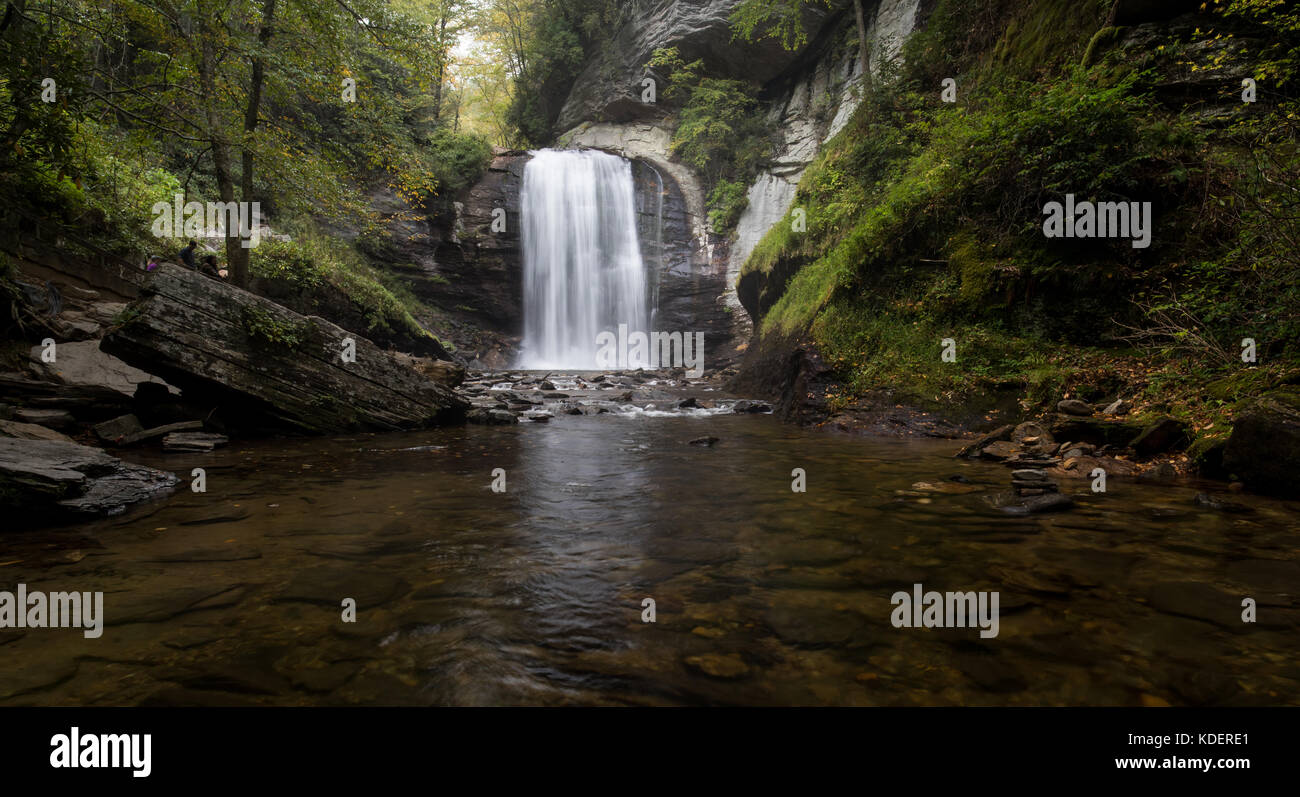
pixel 51 480
pixel 268 366
pixel 1264 448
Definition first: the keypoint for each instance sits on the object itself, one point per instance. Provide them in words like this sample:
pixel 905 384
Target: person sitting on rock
pixel 187 255
pixel 211 268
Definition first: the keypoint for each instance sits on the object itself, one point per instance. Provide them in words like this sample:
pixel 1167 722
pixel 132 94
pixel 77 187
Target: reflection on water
pixel 764 596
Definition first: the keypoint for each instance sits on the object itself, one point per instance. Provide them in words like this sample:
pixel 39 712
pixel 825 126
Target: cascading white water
pixel 583 271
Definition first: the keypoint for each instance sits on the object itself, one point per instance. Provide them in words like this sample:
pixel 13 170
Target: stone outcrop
pixel 265 366
pixel 610 86
pixel 1264 448
pixel 47 481
pixel 482 266
pixel 467 276
pixel 87 403
pixel 810 107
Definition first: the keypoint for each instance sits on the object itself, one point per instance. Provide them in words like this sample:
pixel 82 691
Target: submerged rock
pixel 491 417
pixel 193 441
pixel 49 481
pixel 267 366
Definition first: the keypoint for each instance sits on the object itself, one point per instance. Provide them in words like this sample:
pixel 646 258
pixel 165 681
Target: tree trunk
pixel 863 51
pixel 238 255
pixel 442 67
pixel 216 134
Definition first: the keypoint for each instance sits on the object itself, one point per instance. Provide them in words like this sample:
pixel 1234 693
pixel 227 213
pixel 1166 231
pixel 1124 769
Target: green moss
pixel 1100 42
pixel 267 330
pixel 1207 448
pixel 311 260
pixel 1048 32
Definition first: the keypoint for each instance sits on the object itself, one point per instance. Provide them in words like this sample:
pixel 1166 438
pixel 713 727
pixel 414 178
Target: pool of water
pixel 762 595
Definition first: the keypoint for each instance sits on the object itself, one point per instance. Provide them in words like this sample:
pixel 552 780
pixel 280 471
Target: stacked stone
pixel 1032 482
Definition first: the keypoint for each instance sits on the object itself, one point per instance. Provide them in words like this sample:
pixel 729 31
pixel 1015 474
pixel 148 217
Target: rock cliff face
pixel 809 107
pixel 810 95
pixel 466 273
pixel 610 87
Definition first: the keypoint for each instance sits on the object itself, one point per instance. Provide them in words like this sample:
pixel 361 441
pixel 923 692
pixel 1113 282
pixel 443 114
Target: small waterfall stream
pixel 583 270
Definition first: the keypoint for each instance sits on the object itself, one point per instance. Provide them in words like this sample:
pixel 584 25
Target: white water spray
pixel 583 271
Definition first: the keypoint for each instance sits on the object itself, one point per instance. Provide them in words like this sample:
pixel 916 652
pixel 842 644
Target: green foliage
pixel 924 219
pixel 267 330
pixel 148 97
pixel 885 198
pixel 778 19
pixel 726 202
pixel 721 133
pixel 555 37
pixel 310 261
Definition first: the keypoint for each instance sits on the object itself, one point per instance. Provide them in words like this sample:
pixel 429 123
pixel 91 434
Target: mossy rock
pixel 1101 41
pixel 1264 449
pixel 1206 454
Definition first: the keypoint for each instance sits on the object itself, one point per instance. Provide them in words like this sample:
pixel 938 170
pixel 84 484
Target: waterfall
pixel 583 272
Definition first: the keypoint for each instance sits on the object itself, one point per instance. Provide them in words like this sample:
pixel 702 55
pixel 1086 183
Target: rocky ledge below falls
pixel 508 397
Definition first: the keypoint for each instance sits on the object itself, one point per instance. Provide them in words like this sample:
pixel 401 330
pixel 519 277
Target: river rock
pixel 115 430
pixel 1074 407
pixel 719 665
pixel 999 434
pixel 85 402
pixel 51 480
pixel 159 431
pixel 51 419
pixel 1159 437
pixel 491 417
pixel 30 431
pixel 444 372
pixel 1219 505
pixel 1117 407
pixel 1000 450
pixel 1264 448
pixel 1032 505
pixel 1029 475
pixel 1032 429
pixel 195 442
pixel 268 366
